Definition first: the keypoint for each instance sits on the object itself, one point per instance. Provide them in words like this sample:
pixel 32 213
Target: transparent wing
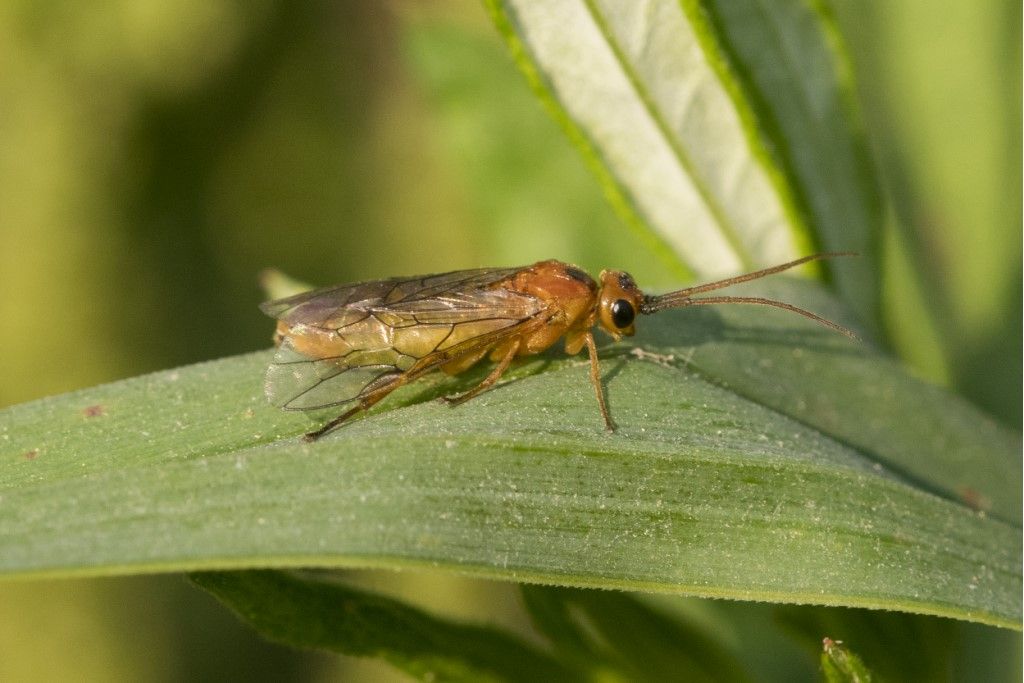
pixel 333 352
pixel 297 382
pixel 325 306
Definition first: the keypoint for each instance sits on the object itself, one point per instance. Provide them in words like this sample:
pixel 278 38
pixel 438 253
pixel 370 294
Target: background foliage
pixel 157 155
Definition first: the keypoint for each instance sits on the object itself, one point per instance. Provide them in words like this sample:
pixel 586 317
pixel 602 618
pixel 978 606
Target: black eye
pixel 622 313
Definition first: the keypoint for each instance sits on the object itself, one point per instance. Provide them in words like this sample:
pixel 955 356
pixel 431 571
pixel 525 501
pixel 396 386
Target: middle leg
pixel 496 373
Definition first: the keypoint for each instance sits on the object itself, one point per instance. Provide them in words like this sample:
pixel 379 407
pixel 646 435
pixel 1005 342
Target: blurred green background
pixel 156 155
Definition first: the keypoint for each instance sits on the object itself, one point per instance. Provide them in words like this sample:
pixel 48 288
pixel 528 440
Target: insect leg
pixel 314 435
pixel 365 403
pixel 496 373
pixel 595 379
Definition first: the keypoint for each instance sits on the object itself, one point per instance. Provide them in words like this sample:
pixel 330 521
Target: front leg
pixel 595 378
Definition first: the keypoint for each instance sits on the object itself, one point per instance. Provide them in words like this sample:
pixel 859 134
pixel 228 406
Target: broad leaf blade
pixel 679 108
pixel 323 614
pixel 702 490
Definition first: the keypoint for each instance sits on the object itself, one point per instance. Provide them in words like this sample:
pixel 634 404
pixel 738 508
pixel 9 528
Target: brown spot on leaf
pixel 93 411
pixel 974 499
pixel 31 455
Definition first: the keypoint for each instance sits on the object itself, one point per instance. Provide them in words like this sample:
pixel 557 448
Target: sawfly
pixel 352 345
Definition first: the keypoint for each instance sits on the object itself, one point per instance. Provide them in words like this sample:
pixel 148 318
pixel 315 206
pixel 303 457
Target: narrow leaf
pixel 899 647
pixel 916 429
pixel 706 488
pixel 679 108
pixel 614 632
pixel 630 83
pixel 327 615
pixel 839 665
pixel 787 67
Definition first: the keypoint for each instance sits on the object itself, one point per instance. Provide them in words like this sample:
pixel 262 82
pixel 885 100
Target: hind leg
pixel 378 389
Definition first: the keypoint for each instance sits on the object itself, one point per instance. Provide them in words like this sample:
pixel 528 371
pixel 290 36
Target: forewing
pixel 334 353
pixel 328 305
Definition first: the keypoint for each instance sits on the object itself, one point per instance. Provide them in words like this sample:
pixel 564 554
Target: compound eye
pixel 622 314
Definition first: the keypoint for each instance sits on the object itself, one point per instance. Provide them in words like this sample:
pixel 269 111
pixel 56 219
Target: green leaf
pixel 327 615
pixel 842 666
pixel 941 443
pixel 727 131
pixel 900 647
pixel 786 61
pixel 614 634
pixel 519 184
pixel 714 485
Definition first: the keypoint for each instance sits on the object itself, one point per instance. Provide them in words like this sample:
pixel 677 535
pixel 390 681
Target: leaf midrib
pixel 728 230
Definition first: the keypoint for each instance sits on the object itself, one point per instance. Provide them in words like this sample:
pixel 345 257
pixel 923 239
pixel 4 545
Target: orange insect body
pixel 357 343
